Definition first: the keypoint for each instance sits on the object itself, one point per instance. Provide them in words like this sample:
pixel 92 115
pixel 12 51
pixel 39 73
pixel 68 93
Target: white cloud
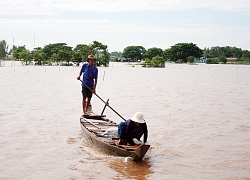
pixel 31 7
pixel 118 35
pixel 118 32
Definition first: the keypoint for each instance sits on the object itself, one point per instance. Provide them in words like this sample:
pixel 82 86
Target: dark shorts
pixel 86 93
pixel 121 130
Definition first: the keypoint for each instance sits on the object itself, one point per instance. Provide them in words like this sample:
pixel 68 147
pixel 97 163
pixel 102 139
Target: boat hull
pixel 93 127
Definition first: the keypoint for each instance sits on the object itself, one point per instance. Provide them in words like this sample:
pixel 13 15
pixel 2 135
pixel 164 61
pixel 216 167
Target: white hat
pixel 138 117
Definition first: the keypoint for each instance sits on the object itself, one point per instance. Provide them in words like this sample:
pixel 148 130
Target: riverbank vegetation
pixel 62 54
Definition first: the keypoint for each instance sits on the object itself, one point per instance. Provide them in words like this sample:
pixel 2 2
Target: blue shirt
pixel 89 74
pixel 130 127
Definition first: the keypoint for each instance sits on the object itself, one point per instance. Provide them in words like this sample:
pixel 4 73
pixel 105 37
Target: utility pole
pixel 34 41
pixel 13 46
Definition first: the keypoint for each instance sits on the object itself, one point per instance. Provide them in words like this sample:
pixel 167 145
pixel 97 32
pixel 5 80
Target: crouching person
pixel 132 130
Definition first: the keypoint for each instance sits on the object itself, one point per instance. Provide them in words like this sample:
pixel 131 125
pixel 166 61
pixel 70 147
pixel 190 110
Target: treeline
pixel 182 53
pixel 227 52
pixel 60 53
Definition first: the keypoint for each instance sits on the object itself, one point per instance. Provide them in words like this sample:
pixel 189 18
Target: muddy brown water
pixel 198 119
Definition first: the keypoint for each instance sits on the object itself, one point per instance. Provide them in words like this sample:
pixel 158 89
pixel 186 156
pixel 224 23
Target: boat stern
pixel 140 152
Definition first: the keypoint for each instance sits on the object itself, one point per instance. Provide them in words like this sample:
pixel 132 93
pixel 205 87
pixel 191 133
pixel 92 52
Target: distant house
pixel 201 60
pixel 124 60
pixel 232 59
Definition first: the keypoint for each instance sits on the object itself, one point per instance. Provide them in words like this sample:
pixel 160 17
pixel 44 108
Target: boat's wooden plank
pixel 97 121
pixel 128 147
pixel 103 127
pixel 100 125
pixel 92 124
pixel 104 124
pixel 96 130
pixel 93 116
pixel 101 120
pixel 112 125
pixel 115 138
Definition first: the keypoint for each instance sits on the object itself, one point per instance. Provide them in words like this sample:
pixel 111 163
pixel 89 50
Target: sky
pixel 122 23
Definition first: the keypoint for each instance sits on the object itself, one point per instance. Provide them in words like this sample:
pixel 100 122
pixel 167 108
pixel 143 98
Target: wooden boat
pixel 96 127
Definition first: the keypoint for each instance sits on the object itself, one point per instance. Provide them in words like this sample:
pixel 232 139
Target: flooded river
pixel 198 119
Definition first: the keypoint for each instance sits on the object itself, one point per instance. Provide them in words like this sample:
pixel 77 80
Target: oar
pixel 103 101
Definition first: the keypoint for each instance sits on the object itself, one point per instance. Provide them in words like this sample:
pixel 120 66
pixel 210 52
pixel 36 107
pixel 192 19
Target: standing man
pixel 90 75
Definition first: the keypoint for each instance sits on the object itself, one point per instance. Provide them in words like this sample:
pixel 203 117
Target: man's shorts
pixel 86 93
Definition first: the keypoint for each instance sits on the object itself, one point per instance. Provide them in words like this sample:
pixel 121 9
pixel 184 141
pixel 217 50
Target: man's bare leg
pixel 87 105
pixel 84 106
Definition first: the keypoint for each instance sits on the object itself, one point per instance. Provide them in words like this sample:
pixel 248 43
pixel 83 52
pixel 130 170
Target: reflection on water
pixel 130 169
pixel 197 116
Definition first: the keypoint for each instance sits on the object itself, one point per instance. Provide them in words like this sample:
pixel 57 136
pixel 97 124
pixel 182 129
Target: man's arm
pixel 145 132
pixel 79 76
pixel 95 83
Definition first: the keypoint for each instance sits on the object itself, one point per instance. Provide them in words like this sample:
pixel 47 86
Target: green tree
pixel 39 57
pixel 65 56
pixel 190 59
pixel 206 53
pixel 216 52
pixel 2 51
pixel 167 54
pixel 222 59
pixel 134 52
pixel 245 61
pixel 55 48
pixel 236 52
pixel 55 58
pixel 227 51
pixel 101 52
pixel 213 61
pixel 183 50
pixel 147 63
pixel 80 53
pixel 3 48
pixel 156 61
pixel 14 47
pixel 85 51
pixel 17 51
pixel 104 59
pixel 246 54
pixel 153 52
pixel 79 47
pixel 114 59
pixel 25 56
pixel 76 57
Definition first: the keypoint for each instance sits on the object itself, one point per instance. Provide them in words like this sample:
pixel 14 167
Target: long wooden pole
pixel 103 101
pixel 104 107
